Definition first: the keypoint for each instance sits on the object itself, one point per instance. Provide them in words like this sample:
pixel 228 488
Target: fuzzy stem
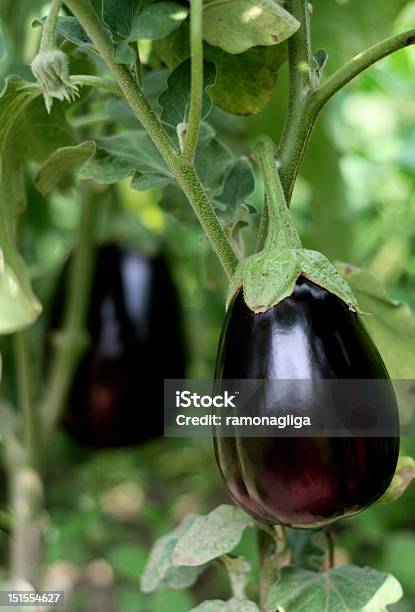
pixel 299 57
pixel 281 231
pixel 48 40
pixel 358 64
pixel 31 429
pixel 106 85
pixel 307 100
pixel 263 228
pixel 184 172
pixel 196 96
pixel 296 129
pixel 72 339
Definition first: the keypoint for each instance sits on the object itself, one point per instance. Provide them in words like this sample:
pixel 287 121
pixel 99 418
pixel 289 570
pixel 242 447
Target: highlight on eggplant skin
pixel 303 481
pixel 136 340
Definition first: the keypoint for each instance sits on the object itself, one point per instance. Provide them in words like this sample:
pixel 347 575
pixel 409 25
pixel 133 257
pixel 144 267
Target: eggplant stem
pixel 266 550
pixel 330 547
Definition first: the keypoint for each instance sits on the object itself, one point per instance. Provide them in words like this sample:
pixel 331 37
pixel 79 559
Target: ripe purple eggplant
pixel 304 481
pixel 136 340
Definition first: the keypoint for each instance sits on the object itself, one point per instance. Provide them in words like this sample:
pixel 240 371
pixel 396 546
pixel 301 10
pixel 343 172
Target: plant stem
pixel 358 64
pixel 31 429
pixel 25 485
pixel 184 172
pixel 306 100
pixel 299 56
pixel 330 547
pixel 196 96
pixel 26 499
pixel 22 460
pixel 263 227
pixel 48 40
pixel 281 230
pixel 268 572
pixel 296 129
pixel 106 85
pixel 72 339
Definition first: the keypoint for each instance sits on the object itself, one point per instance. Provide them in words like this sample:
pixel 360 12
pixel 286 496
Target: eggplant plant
pixel 162 70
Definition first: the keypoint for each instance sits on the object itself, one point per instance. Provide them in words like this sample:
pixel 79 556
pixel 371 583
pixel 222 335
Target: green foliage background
pixel 354 201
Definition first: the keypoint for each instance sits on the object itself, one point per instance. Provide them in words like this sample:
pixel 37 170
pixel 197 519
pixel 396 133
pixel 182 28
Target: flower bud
pixel 51 69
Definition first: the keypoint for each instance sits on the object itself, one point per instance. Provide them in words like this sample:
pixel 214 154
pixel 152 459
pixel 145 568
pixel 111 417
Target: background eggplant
pixel 304 481
pixel 136 340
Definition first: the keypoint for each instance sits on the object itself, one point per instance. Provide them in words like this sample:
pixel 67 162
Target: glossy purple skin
pixel 303 481
pixel 137 340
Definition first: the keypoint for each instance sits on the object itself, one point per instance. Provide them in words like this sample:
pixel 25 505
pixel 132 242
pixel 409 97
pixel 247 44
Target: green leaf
pixel 27 133
pixel 157 20
pixel 238 25
pixel 212 162
pixel 37 134
pixel 245 82
pixel 391 323
pixel 345 589
pixel 69 28
pixel 19 307
pixel 33 136
pixel 120 16
pixel 230 205
pixel 404 475
pixel 134 20
pixel 150 181
pixel 211 536
pixel 61 164
pixel 233 605
pixel 16 95
pixel 238 186
pixel 15 98
pixel 174 49
pixel 175 100
pixel 131 153
pixel 160 568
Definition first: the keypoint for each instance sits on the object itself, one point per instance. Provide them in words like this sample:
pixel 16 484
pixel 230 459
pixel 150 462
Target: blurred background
pixel 355 201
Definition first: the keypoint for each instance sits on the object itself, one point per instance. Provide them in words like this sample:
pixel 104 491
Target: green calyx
pixel 268 277
pixel 51 65
pixel 51 69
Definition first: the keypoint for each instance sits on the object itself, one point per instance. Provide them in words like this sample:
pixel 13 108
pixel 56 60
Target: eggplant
pixel 302 481
pixel 136 340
